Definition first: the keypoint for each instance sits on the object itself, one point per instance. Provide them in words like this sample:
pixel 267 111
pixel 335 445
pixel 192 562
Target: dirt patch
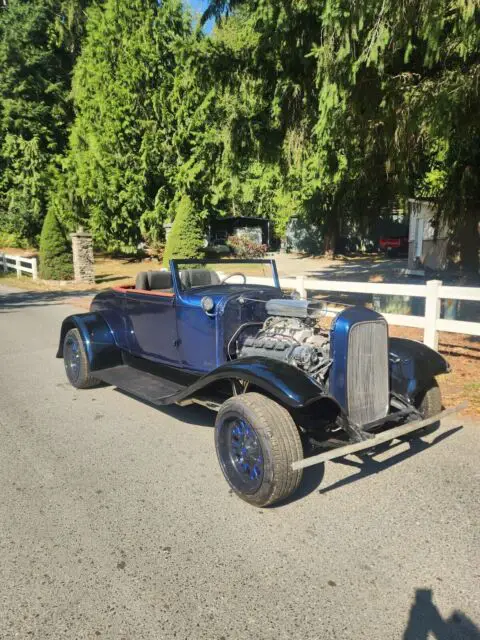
pixel 463 354
pixel 110 272
pixel 24 253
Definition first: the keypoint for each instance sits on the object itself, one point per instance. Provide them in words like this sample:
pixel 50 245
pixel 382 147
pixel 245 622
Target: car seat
pixel 153 280
pixel 159 280
pixel 198 278
pixel 141 281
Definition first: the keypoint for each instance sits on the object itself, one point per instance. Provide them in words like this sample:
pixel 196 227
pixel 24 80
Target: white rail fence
pixel 433 292
pixel 19 264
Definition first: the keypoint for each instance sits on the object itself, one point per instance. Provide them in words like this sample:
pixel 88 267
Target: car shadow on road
pixel 426 622
pixel 194 414
pixel 20 300
pixel 311 480
pixel 191 414
pixel 368 466
pixel 200 416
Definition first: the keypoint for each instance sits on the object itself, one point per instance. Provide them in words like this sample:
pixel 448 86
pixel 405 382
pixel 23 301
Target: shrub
pixel 12 240
pixel 185 239
pixel 56 261
pixel 243 247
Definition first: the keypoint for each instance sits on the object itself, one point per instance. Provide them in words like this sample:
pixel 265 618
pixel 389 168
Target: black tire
pixel 76 362
pixel 429 400
pixel 256 441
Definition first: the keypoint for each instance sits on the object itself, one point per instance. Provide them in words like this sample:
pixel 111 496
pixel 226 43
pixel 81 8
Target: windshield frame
pixel 175 262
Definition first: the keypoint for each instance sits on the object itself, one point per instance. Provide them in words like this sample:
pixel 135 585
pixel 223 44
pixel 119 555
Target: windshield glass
pixel 198 273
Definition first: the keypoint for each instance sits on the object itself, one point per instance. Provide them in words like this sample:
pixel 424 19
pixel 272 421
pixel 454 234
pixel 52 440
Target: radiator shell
pixel 359 377
pixel 367 372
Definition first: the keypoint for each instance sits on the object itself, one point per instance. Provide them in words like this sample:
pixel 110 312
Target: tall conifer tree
pixel 121 87
pixel 39 42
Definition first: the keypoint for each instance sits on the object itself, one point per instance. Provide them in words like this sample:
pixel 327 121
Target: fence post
pixel 18 266
pixel 34 269
pixel 432 313
pixel 300 287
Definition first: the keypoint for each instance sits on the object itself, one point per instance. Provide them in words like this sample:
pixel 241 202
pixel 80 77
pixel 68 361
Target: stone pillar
pixel 82 248
pixel 167 227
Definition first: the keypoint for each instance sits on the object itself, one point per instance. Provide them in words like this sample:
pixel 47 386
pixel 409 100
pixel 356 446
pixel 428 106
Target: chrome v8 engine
pixel 290 334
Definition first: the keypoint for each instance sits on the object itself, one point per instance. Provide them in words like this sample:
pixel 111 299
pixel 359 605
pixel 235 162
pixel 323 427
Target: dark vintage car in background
pixel 287 393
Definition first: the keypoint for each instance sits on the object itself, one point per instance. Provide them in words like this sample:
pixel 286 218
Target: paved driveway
pixel 359 269
pixel 115 522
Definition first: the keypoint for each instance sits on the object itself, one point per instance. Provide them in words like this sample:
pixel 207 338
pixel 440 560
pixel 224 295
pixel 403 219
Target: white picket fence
pixel 19 264
pixel 433 291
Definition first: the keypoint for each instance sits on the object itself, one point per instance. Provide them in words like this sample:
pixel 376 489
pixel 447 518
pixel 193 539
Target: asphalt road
pixel 115 522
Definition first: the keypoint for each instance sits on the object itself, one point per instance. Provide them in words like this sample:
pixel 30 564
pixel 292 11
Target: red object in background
pixel 394 245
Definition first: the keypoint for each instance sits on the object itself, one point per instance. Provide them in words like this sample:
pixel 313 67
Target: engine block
pixel 294 339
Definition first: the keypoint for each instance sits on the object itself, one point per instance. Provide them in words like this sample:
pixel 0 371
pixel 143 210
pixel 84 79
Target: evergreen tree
pixel 36 59
pixel 279 150
pixel 368 100
pixel 120 143
pixel 56 262
pixel 186 237
pixel 325 109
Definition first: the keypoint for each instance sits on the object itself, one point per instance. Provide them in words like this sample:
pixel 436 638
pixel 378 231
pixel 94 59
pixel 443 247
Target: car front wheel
pixel 256 441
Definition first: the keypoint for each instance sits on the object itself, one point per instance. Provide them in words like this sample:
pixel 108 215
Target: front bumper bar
pixel 385 436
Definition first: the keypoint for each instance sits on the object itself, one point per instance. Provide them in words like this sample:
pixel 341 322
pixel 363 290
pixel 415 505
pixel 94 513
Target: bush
pixel 185 239
pixel 56 262
pixel 243 247
pixel 12 240
pixel 217 251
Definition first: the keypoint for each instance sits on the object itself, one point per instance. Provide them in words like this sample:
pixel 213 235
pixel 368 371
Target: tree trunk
pixel 469 241
pixel 330 235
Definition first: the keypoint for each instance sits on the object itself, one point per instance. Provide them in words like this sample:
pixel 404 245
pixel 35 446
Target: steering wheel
pixel 237 273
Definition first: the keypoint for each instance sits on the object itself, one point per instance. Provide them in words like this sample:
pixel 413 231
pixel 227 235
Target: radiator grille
pixel 367 372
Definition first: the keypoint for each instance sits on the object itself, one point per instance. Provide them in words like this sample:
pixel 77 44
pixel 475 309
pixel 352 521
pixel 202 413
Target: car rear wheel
pixel 256 441
pixel 76 361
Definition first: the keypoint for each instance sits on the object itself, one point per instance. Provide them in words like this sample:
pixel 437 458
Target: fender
pixel 413 365
pixel 98 339
pixel 290 386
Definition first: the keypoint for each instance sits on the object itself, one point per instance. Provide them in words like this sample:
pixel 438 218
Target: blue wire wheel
pixel 241 455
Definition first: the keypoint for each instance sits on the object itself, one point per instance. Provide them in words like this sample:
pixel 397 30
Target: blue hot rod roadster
pixel 283 388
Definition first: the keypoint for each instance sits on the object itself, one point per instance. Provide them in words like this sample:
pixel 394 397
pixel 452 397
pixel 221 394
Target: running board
pixel 143 385
pixel 385 436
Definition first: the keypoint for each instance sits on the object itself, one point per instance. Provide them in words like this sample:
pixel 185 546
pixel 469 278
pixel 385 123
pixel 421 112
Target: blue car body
pixel 170 335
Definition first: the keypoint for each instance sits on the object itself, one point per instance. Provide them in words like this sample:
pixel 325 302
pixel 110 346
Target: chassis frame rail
pixel 385 436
